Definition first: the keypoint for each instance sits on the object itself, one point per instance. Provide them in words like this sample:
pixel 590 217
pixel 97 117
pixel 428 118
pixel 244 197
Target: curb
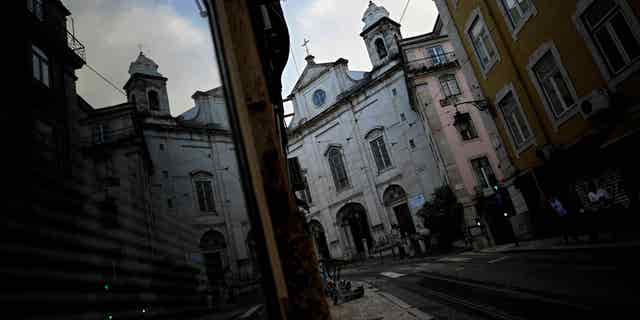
pixel 563 248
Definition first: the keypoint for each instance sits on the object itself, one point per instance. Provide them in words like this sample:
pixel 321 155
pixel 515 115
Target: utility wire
pixel 404 10
pixel 105 79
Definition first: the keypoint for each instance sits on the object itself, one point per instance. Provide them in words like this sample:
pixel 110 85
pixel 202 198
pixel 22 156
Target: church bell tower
pixel 380 34
pixel 146 87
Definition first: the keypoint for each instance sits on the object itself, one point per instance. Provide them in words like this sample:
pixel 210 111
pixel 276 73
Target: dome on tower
pixel 373 14
pixel 144 65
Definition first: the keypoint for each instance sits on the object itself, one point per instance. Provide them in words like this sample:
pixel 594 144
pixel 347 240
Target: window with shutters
pixel 449 86
pixel 338 171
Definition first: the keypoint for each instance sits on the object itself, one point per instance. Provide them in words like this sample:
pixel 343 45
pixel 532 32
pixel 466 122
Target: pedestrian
pixel 599 201
pixel 563 215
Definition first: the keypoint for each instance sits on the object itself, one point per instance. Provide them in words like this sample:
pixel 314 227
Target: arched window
pixel 154 102
pixel 379 149
pixel 381 48
pixel 336 164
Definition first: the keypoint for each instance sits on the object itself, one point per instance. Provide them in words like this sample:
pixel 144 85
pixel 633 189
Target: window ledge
pixel 569 114
pixel 476 139
pixel 515 30
pixel 519 150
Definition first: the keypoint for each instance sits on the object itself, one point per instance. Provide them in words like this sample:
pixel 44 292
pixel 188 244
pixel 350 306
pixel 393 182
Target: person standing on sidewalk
pixel 563 214
pixel 599 201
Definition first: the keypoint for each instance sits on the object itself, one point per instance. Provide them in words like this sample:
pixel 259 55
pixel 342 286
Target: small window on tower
pixel 381 48
pixel 154 102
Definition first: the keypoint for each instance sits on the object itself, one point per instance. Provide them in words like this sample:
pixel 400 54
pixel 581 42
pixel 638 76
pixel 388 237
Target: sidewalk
pixel 557 244
pixel 376 305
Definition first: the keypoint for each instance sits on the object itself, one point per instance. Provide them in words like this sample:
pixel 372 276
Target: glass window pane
pixel 608 49
pixel 209 196
pixel 376 154
pixel 552 96
pixel 524 5
pixel 45 73
pixel 513 10
pixel 384 153
pixel 563 87
pixel 623 32
pixel 597 11
pixel 36 67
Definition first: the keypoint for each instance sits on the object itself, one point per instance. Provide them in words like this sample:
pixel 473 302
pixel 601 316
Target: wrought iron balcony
pixel 75 45
pixel 433 63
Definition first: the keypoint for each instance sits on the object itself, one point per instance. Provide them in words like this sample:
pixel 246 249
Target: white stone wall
pixel 414 169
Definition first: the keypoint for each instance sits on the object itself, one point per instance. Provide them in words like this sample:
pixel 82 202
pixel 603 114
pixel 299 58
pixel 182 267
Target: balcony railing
pixel 75 45
pixel 432 63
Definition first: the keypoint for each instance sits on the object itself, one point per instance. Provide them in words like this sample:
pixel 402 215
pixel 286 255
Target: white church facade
pixel 196 192
pixel 366 156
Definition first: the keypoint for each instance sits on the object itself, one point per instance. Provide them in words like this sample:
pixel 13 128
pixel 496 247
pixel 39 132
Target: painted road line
pixel 419 314
pixel 454 259
pixel 499 259
pixel 392 275
pixel 401 304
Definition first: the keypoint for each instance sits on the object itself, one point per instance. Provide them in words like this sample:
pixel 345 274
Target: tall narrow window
pixel 37 8
pixel 99 134
pixel 449 85
pixel 40 65
pixel 484 173
pixel 205 195
pixel 436 55
pixel 380 154
pixel 381 48
pixel 305 194
pixel 612 33
pixel 515 120
pixel 154 102
pixel 482 44
pixel 554 85
pixel 465 127
pixel 517 11
pixel 338 171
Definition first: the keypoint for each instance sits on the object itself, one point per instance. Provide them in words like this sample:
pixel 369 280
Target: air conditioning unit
pixel 593 104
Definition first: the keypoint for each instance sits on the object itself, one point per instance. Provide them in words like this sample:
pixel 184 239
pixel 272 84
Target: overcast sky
pixel 173 34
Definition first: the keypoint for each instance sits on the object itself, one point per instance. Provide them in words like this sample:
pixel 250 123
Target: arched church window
pixel 338 171
pixel 154 102
pixel 381 48
pixel 379 149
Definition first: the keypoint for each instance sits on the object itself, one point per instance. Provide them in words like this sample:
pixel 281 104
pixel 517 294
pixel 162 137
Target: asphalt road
pixel 602 283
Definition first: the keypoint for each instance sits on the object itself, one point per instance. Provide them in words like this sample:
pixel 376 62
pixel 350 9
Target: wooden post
pixel 292 258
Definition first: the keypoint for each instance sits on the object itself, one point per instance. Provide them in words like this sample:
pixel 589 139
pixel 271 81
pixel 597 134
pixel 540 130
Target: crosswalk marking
pixel 392 275
pixel 498 259
pixel 454 259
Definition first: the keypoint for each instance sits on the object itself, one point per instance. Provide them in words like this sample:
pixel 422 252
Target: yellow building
pixel 563 83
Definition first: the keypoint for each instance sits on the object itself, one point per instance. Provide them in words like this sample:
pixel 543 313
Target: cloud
pixel 333 28
pixel 112 30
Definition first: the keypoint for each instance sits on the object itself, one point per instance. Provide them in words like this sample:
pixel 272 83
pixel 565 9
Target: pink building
pixel 465 139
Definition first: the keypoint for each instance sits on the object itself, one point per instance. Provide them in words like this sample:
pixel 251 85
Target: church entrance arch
pixel 396 198
pixel 319 239
pixel 352 218
pixel 213 246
